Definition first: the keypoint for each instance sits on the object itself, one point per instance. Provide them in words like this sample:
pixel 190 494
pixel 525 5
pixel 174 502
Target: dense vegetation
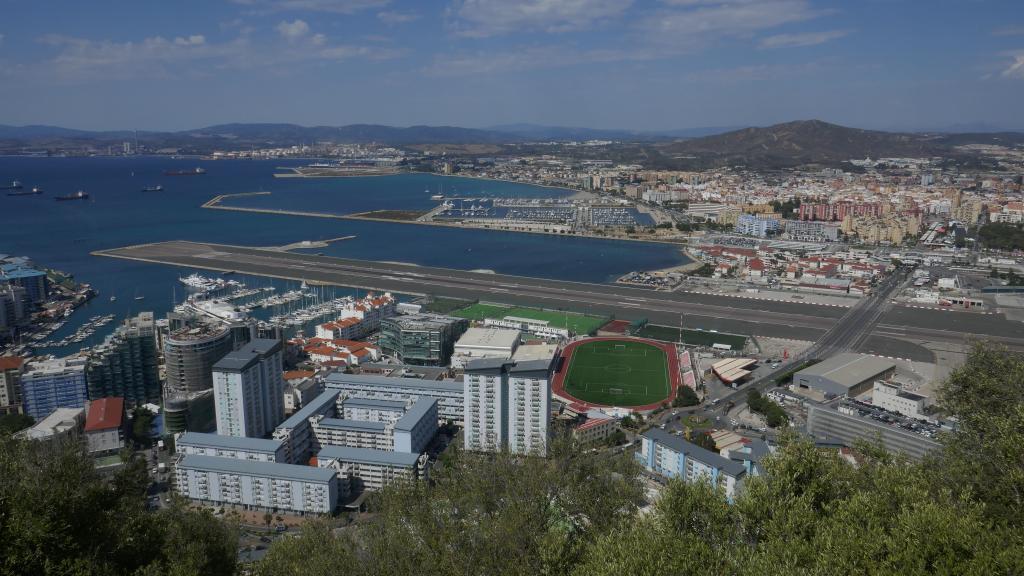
pixel 1002 236
pixel 773 414
pixel 59 516
pixel 959 512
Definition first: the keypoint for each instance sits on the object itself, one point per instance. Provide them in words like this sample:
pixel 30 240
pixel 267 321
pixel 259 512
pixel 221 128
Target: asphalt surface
pixel 711 312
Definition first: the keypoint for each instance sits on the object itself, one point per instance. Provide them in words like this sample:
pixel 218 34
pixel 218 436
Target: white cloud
pixel 335 6
pixel 1016 67
pixel 1009 31
pixel 529 58
pixel 194 40
pixel 802 39
pixel 294 30
pixel 483 18
pixel 392 17
pixel 692 24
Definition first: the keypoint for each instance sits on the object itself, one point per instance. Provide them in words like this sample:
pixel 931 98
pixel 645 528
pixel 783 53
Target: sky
pixel 629 64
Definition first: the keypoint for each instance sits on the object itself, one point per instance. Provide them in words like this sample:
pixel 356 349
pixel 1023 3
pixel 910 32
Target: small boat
pixel 140 297
pixel 197 171
pixel 33 191
pixel 80 195
pixel 113 298
pixel 437 197
pixel 157 188
pixel 15 185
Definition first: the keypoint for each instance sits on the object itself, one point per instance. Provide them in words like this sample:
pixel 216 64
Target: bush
pixel 685 396
pixel 774 415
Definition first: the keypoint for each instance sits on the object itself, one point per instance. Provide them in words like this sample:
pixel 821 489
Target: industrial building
pixel 248 389
pixel 847 425
pixel 842 375
pixel 58 383
pixel 127 363
pixel 673 457
pixel 894 398
pixel 448 393
pixel 421 338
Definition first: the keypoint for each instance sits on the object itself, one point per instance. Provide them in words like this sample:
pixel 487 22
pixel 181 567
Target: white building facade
pixel 248 389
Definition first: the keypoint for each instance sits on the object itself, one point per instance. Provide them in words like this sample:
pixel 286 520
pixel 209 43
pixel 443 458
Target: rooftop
pixel 255 468
pixel 204 440
pixel 56 422
pixel 11 362
pixel 357 425
pixel 847 370
pixel 367 456
pixel 703 455
pixel 247 355
pixel 495 338
pixel 338 379
pixel 315 406
pixel 529 352
pixel 373 403
pixel 415 414
pixel 105 414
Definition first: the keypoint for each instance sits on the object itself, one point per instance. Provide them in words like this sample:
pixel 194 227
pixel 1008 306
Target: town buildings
pixel 10 384
pixel 421 338
pixel 842 375
pixel 248 389
pixel 507 405
pixel 673 457
pixel 105 426
pixel 448 393
pixel 52 384
pixel 126 364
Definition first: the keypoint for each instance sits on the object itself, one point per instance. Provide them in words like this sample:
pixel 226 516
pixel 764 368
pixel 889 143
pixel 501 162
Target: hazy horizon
pixel 644 65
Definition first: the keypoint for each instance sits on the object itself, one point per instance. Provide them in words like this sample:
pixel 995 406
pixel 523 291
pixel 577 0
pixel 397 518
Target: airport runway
pixel 746 316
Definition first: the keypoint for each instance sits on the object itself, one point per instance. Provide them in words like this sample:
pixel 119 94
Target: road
pixel 708 311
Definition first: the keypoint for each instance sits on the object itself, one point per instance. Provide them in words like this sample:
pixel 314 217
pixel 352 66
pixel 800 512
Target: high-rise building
pixel 126 364
pixel 53 384
pixel 248 389
pixel 507 404
pixel 421 338
pixel 10 384
pixel 189 356
pixel 15 310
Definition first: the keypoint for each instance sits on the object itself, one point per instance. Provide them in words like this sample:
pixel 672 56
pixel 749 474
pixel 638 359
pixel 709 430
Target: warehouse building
pixel 489 342
pixel 842 375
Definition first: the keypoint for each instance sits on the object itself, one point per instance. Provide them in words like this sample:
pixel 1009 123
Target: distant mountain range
pixel 818 142
pixel 781 145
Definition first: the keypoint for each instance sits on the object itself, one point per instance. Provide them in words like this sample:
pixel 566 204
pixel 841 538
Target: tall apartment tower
pixel 248 389
pixel 508 405
pixel 126 364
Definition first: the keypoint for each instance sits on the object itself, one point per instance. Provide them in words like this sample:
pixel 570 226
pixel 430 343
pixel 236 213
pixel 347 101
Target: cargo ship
pixel 35 190
pixel 156 188
pixel 195 172
pixel 76 196
pixel 15 185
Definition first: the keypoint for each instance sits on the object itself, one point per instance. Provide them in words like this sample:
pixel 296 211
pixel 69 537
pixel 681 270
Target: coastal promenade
pixel 706 311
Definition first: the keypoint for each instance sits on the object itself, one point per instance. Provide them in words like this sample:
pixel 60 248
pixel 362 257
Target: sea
pixel 61 235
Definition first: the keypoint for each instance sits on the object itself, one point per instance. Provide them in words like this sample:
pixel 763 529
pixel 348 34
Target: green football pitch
pixel 578 323
pixel 618 373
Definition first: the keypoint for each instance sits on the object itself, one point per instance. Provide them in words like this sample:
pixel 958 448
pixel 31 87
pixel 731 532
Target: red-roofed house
pixel 755 268
pixel 11 368
pixel 105 425
pixel 594 430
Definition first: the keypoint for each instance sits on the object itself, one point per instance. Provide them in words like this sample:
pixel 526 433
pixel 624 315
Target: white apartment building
pixel 253 449
pixel 255 485
pixel 448 393
pixel 248 389
pixel 369 469
pixel 507 405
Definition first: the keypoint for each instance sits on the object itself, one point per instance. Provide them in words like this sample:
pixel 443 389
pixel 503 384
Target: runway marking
pixel 707 293
pixel 947 309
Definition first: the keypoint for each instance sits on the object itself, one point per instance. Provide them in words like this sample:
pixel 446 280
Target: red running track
pixel 675 378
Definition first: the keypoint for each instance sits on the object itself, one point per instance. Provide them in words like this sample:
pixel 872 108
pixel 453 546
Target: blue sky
pixel 641 64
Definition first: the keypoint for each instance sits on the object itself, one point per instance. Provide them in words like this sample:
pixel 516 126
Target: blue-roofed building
pixel 369 469
pixel 356 433
pixel 414 431
pixel 670 456
pixel 257 485
pixel 20 273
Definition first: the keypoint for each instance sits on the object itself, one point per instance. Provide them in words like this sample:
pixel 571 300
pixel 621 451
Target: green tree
pixel 685 396
pixel 11 423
